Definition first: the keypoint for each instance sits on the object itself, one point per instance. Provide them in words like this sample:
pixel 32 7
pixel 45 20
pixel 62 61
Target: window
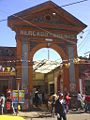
pixel 51 89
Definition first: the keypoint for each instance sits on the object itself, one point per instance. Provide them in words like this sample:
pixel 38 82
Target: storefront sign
pixel 47 34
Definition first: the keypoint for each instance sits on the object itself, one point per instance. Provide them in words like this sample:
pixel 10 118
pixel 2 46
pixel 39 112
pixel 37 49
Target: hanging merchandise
pixel 18 96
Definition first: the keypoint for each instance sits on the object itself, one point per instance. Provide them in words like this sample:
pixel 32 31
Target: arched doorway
pixel 45 25
pixel 60 52
pixel 46 70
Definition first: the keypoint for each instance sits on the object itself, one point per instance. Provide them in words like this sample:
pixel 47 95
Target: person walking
pixel 60 107
pixel 15 108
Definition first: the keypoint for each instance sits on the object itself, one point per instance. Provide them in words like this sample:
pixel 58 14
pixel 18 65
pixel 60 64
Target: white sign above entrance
pixel 47 34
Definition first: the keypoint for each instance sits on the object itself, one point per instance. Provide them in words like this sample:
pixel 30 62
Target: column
pixel 77 76
pixel 65 77
pixel 18 83
pixel 30 68
pixel 30 77
pixel 71 69
pixel 24 63
pixel 18 61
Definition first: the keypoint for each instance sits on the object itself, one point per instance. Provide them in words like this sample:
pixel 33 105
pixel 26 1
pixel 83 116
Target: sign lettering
pixel 47 34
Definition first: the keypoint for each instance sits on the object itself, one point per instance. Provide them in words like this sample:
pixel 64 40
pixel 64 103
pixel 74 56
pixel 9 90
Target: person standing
pixel 80 101
pixel 53 106
pixel 2 100
pixel 67 98
pixel 36 98
pixel 60 107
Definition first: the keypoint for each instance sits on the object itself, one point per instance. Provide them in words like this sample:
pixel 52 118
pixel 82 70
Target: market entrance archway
pixel 45 25
pixel 46 70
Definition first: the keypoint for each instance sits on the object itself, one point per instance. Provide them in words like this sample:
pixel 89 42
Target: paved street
pixel 83 116
pixel 45 116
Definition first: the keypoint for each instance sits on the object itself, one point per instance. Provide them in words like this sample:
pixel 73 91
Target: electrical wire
pixel 74 3
pixel 30 23
pixel 83 42
pixel 42 28
pixel 38 26
pixel 60 6
pixel 81 36
pixel 3 20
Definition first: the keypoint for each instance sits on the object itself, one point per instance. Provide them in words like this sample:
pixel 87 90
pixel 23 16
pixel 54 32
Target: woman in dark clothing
pixel 53 106
pixel 36 99
pixel 60 108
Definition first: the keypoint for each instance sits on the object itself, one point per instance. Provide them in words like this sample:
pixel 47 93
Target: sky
pixel 81 10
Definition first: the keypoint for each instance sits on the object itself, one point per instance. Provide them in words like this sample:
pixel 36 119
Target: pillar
pixel 30 68
pixel 25 63
pixel 71 69
pixel 65 75
pixel 30 77
pixel 18 61
pixel 77 76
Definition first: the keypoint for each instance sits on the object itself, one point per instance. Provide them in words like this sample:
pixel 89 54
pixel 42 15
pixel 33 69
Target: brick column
pixel 30 77
pixel 18 60
pixel 66 81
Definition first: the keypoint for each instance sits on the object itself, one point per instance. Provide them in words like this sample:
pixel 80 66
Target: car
pixel 10 117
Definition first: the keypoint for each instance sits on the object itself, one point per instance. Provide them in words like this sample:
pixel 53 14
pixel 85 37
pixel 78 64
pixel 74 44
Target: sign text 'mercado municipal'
pixel 46 34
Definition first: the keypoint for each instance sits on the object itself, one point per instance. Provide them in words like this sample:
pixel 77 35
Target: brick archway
pixel 63 55
pixel 53 46
pixel 33 26
pixel 59 50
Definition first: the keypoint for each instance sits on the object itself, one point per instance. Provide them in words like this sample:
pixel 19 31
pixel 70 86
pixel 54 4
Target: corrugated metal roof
pixel 45 66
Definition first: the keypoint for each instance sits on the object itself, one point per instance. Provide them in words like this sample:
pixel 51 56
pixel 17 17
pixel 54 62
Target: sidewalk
pixel 44 115
pixel 34 114
pixel 42 112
